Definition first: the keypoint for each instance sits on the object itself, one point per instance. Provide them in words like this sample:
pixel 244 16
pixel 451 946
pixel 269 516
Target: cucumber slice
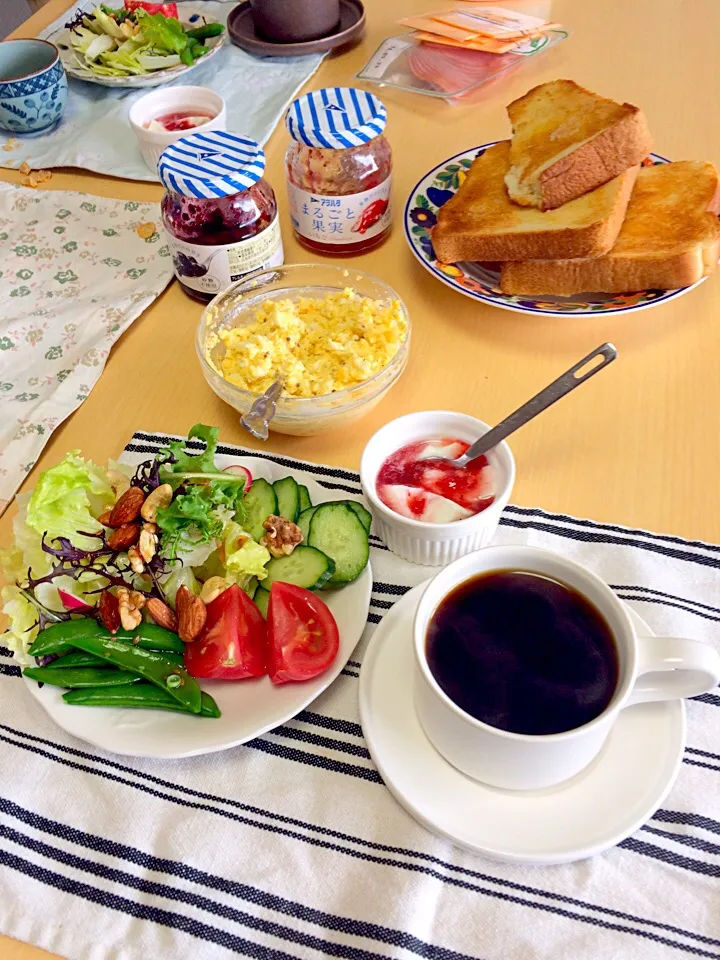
pixel 305 567
pixel 259 503
pixel 262 599
pixel 305 501
pixel 364 515
pixel 303 521
pixel 288 498
pixel 336 530
pixel 251 587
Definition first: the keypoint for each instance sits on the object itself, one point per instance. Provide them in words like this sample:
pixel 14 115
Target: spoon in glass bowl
pixel 257 420
pixel 558 388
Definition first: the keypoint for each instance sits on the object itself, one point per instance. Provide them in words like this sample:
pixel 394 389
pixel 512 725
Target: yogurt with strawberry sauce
pixel 416 483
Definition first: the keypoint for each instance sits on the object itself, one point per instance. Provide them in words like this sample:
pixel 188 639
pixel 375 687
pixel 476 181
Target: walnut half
pixel 281 537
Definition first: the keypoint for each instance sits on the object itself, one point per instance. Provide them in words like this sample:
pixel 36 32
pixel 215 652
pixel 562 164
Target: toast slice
pixel 567 141
pixel 670 238
pixel 481 223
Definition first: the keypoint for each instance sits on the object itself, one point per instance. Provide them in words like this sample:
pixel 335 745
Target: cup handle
pixel 670 668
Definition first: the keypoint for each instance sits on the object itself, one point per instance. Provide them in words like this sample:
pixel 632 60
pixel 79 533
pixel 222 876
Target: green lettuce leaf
pixel 194 463
pixel 161 33
pixel 196 516
pixel 67 499
pixel 244 562
pixel 23 623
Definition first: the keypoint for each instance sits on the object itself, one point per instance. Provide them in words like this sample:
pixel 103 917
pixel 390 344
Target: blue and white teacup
pixel 33 86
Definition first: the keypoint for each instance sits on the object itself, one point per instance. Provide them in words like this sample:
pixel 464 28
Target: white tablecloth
pixel 291 846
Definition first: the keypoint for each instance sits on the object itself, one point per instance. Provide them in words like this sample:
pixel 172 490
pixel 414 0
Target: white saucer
pixel 597 809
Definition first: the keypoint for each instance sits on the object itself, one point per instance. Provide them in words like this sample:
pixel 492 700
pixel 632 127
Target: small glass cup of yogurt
pixel 424 509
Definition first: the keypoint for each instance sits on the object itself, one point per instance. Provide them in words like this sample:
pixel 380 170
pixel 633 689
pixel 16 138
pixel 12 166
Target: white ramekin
pixel 168 100
pixel 434 544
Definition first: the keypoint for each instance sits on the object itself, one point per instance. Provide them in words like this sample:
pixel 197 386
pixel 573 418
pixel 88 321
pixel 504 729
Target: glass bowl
pixel 299 416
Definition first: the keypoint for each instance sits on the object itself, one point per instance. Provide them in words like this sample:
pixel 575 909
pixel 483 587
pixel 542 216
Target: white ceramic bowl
pixel 434 544
pixel 169 100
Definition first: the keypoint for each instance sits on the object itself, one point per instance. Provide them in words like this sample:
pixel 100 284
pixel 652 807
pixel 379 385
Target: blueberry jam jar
pixel 338 171
pixel 219 214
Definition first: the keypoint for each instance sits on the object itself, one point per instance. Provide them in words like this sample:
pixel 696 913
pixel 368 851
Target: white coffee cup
pixel 650 668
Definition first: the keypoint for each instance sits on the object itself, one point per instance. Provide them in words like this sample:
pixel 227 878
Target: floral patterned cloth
pixel 74 274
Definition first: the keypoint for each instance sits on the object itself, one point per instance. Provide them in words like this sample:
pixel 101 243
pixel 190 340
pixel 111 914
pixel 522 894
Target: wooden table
pixel 639 445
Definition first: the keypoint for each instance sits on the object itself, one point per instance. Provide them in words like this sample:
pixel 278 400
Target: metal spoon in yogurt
pixel 558 388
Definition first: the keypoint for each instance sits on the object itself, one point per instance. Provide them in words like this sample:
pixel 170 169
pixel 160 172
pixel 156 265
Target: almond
pixel 109 610
pixel 162 614
pixel 124 537
pixel 104 518
pixel 191 615
pixel 127 508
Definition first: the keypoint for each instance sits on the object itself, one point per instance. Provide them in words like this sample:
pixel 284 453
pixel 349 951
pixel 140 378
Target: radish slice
pixel 239 472
pixel 73 603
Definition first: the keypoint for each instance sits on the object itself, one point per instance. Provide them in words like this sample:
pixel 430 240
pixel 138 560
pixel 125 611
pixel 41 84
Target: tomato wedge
pixel 303 637
pixel 166 9
pixel 232 646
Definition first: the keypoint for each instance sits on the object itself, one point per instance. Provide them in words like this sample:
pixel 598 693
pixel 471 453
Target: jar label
pixel 210 269
pixel 354 218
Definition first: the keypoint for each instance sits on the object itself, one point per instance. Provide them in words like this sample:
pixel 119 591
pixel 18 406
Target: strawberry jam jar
pixel 338 171
pixel 219 214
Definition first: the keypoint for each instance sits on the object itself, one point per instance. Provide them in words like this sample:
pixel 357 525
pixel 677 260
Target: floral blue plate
pixel 480 280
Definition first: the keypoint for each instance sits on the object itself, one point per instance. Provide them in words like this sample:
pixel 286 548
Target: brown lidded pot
pixel 294 21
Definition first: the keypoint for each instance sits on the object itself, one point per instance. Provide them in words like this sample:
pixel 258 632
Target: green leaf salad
pixel 123 43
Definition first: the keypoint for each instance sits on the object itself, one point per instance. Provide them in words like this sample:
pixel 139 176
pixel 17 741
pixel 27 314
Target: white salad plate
pixel 595 810
pixel 189 17
pixel 249 707
pixel 480 281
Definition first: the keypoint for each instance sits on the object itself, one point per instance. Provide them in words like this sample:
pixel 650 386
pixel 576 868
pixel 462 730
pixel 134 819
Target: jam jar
pixel 339 171
pixel 219 214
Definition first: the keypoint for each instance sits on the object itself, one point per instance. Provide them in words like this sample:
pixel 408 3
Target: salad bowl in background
pixel 33 86
pixel 190 17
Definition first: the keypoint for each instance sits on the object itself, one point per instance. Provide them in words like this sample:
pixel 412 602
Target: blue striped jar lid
pixel 336 118
pixel 213 164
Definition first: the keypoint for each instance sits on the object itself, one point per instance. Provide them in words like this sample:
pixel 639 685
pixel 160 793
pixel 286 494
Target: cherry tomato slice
pixel 303 637
pixel 232 646
pixel 166 9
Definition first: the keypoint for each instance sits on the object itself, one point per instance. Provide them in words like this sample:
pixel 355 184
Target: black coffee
pixel 523 652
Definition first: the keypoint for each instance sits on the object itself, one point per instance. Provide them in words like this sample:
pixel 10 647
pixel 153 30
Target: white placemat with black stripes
pixel 291 846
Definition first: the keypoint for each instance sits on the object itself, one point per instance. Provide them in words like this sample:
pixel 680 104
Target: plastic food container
pixel 295 415
pixel 219 214
pixel 452 73
pixel 198 100
pixel 338 171
pixel 434 544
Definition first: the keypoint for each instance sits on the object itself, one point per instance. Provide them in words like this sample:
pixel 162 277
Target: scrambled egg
pixel 321 346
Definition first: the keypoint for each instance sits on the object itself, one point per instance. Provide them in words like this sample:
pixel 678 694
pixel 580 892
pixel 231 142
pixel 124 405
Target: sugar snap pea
pixel 60 637
pixel 186 57
pixel 153 666
pixel 78 658
pixel 141 695
pixel 81 676
pixel 205 31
